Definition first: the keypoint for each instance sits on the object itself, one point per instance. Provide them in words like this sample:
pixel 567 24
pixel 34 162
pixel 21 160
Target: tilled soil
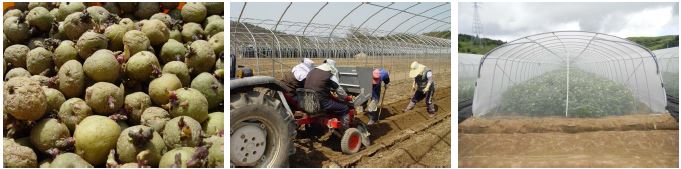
pixel 429 148
pixel 623 141
pixel 400 139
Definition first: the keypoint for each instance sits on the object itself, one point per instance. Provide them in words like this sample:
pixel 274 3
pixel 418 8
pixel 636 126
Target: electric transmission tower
pixel 477 25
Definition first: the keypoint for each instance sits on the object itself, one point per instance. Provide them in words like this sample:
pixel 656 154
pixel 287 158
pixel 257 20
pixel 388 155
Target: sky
pixel 335 11
pixel 509 21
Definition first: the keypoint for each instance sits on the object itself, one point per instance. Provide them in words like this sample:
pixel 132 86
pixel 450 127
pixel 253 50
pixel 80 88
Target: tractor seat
pixel 308 101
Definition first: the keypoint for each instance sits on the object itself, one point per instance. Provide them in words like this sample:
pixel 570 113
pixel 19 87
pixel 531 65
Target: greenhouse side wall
pixel 668 59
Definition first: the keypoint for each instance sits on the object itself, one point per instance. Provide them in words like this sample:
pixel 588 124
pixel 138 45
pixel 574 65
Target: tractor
pixel 263 125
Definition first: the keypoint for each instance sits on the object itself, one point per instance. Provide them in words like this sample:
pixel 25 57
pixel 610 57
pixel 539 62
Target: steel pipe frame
pixel 313 38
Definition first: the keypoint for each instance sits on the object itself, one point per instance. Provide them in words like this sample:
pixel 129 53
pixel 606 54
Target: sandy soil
pixel 625 141
pixel 400 139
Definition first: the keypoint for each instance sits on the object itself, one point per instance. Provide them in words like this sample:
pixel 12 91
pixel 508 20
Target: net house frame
pixel 273 46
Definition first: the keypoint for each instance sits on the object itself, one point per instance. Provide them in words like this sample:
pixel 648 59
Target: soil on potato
pixel 619 141
pixel 400 139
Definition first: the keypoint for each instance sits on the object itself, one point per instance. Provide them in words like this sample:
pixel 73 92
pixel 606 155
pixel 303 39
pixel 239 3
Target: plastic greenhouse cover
pixel 569 74
pixel 668 60
pixel 468 74
pixel 468 65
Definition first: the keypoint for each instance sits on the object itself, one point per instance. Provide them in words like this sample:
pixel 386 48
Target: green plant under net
pixel 466 88
pixel 671 83
pixel 590 96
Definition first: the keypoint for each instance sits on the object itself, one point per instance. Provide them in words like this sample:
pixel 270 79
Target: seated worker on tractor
pixel 378 75
pixel 296 79
pixel 320 81
pixel 423 87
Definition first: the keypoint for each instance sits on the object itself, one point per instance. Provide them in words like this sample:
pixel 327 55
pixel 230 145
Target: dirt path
pixel 400 139
pixel 650 141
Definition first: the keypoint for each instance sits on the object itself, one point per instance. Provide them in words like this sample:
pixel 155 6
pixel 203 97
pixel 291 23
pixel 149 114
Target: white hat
pixel 308 62
pixel 416 69
pixel 328 67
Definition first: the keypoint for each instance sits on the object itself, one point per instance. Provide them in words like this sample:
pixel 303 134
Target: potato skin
pixel 95 136
pixel 98 98
pixel 24 99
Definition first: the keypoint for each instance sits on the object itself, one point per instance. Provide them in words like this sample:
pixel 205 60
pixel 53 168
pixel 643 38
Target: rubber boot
pixel 372 118
pixel 346 119
pixel 410 106
pixel 431 110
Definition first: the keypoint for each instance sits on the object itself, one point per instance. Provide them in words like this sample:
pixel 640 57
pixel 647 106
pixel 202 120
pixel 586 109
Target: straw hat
pixel 416 69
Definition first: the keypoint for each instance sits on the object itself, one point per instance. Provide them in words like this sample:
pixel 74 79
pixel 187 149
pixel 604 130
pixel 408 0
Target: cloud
pixel 509 21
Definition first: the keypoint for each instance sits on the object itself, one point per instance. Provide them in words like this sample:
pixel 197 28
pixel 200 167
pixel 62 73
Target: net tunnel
pixel 571 74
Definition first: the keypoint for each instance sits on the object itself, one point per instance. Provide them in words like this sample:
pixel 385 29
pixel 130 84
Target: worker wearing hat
pixel 320 80
pixel 423 86
pixel 295 79
pixel 378 75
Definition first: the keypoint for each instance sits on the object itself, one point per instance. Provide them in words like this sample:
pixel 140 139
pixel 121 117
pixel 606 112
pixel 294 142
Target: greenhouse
pixel 572 74
pixel 366 34
pixel 668 60
pixel 468 73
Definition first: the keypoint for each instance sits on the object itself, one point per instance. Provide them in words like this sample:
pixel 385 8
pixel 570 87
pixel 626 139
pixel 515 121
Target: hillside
pixel 466 44
pixel 653 43
pixel 440 34
pixel 659 42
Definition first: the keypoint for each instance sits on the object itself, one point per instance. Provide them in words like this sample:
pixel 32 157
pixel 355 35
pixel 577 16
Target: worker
pixel 423 87
pixel 296 77
pixel 378 75
pixel 320 81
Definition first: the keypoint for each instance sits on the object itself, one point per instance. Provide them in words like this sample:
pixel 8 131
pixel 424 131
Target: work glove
pixel 427 88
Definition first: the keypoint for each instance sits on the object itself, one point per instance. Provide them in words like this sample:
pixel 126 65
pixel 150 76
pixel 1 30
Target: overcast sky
pixel 509 21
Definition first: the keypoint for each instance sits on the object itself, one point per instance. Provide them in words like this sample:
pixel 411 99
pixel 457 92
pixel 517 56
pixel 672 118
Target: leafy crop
pixel 466 88
pixel 590 96
pixel 671 83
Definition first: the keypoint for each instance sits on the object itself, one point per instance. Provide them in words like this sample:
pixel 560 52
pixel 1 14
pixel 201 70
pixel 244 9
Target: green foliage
pixel 590 96
pixel 659 42
pixel 439 34
pixel 466 44
pixel 671 83
pixel 466 88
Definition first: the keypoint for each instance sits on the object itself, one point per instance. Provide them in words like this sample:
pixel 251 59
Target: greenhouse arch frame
pixel 267 44
pixel 616 59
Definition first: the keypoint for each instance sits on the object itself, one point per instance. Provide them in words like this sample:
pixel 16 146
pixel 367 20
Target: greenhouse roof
pixel 295 24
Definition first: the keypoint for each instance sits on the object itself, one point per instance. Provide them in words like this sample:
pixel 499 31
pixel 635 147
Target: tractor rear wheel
pixel 261 130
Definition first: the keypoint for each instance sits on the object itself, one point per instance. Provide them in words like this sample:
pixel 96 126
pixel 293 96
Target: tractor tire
pixel 351 141
pixel 263 110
